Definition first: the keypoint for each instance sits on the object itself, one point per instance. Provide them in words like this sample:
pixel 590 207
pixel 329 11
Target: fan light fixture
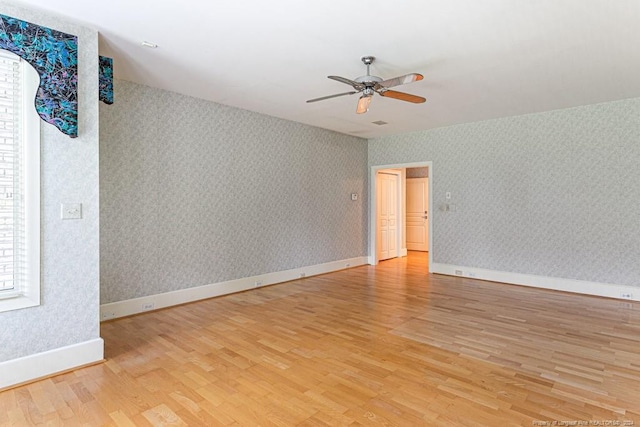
pixel 363 104
pixel 364 101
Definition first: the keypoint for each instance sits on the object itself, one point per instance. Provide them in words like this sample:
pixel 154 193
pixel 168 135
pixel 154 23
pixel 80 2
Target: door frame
pixel 373 256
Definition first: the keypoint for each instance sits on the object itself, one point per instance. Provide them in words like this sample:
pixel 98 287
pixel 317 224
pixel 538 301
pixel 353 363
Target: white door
pixel 417 213
pixel 387 210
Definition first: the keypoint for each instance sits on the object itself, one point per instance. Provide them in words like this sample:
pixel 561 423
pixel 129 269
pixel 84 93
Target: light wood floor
pixel 368 346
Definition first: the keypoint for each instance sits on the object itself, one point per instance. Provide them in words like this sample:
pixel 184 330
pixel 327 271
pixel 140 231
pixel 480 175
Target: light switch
pixel 71 210
pixel 447 195
pixel 354 196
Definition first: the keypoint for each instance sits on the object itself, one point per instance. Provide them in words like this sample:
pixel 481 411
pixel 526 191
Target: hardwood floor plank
pixel 385 345
pixel 162 415
pixel 121 419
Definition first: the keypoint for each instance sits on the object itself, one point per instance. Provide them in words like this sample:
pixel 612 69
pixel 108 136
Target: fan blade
pixel 331 96
pixel 402 80
pixel 356 85
pixel 402 96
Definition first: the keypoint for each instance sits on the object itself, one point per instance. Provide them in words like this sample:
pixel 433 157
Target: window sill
pixel 17 302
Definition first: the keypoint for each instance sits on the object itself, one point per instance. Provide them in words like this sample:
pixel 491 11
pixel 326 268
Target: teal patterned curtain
pixel 106 80
pixel 54 55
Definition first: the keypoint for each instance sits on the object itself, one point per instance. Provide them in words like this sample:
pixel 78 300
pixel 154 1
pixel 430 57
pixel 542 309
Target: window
pixel 19 185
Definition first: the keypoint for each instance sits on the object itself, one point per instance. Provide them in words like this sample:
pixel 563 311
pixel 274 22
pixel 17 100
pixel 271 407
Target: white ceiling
pixel 480 59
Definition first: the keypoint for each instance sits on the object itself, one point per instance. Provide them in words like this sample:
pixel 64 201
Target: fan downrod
pixel 368 60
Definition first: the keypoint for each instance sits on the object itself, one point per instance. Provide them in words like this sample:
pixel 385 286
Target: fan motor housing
pixel 368 79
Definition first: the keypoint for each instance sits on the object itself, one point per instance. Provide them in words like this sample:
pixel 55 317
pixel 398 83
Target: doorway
pixel 375 236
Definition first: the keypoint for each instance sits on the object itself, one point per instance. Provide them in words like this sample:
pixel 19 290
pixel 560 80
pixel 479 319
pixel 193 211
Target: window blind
pixel 11 185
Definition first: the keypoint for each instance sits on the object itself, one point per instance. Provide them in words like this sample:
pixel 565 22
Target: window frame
pixel 27 292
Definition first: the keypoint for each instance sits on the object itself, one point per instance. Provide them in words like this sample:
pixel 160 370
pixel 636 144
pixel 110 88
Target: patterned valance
pixel 106 80
pixel 54 55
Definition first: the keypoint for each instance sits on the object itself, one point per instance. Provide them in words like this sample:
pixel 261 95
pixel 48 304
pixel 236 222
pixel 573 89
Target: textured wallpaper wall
pixel 418 172
pixel 554 194
pixel 194 192
pixel 69 313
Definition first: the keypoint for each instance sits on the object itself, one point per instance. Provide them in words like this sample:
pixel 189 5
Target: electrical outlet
pixel 458 272
pixel 71 210
pixel 106 315
pixel 348 265
pixel 257 283
pixel 626 295
pixel 303 275
pixel 148 306
pixel 472 274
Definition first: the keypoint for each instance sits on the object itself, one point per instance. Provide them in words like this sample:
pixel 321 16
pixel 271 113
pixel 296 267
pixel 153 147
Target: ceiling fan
pixel 368 85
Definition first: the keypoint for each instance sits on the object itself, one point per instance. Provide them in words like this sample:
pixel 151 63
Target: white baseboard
pixel 39 365
pixel 153 302
pixel 567 285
